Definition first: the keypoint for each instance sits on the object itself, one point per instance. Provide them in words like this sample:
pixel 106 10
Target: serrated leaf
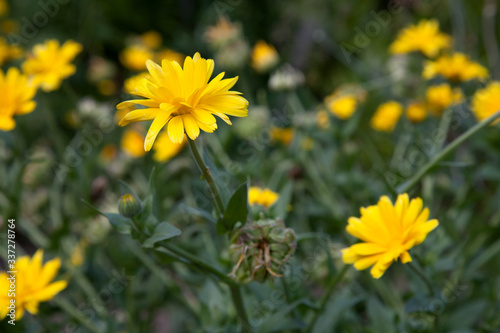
pixel 236 210
pixel 163 231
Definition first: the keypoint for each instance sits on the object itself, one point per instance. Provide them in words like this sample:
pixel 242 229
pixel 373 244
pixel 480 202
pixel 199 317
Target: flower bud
pixel 128 206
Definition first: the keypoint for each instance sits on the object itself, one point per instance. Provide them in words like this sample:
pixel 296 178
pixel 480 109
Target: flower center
pixel 182 107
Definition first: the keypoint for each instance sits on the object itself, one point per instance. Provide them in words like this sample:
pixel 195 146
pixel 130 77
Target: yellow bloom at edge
pixel 183 99
pixel 440 97
pixel 151 39
pixel 387 233
pixel 17 97
pixel 424 37
pixel 165 149
pixel 262 196
pixel 50 63
pixel 342 106
pixel 4 7
pixel 9 52
pixel 132 143
pixel 486 101
pixel 33 284
pixel 131 83
pixel 134 57
pixel 264 56
pixel 283 135
pixel 456 67
pixel 170 55
pixel 386 116
pixel 416 112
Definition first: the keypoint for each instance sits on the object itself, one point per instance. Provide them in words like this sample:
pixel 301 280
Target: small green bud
pixel 128 206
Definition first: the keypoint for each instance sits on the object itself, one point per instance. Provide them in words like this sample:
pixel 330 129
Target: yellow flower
pixel 151 39
pixel 50 63
pixel 165 149
pixel 341 105
pixel 322 119
pixel 134 57
pixel 9 52
pixel 283 135
pixel 108 152
pixel 262 196
pixel 9 26
pixel 442 96
pixel 387 232
pixel 456 67
pixel 486 101
pixel 4 7
pixel 131 83
pixel 307 144
pixel 106 87
pixel 17 97
pixel 416 112
pixel 184 100
pixel 424 37
pixel 132 143
pixel 78 252
pixel 386 116
pixel 222 32
pixel 264 56
pixel 170 55
pixel 33 284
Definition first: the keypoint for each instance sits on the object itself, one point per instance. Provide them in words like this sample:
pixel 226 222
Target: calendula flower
pixel 151 39
pixel 132 143
pixel 424 37
pixel 34 285
pixel 386 116
pixel 183 99
pixel 416 112
pixel 165 149
pixel 342 106
pixel 456 67
pixel 131 83
pixel 9 52
pixel 387 232
pixel 262 196
pixel 322 119
pixel 134 57
pixel 442 96
pixel 264 56
pixel 50 63
pixel 486 101
pixel 17 97
pixel 283 135
pixel 170 55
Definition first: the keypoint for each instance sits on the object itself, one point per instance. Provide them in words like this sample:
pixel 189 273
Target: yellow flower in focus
pixel 486 101
pixel 440 97
pixel 131 83
pixel 17 97
pixel 151 39
pixel 283 135
pixel 50 63
pixel 133 144
pixel 342 106
pixel 170 55
pixel 424 37
pixel 33 284
pixel 387 232
pixel 134 57
pixel 165 149
pixel 322 119
pixel 386 116
pixel 262 196
pixel 184 100
pixel 456 67
pixel 416 112
pixel 9 52
pixel 264 56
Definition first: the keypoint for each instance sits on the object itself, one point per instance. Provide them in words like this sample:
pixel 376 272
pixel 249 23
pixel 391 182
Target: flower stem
pixel 452 146
pixel 75 313
pixel 423 277
pixel 240 307
pixel 326 297
pixel 219 206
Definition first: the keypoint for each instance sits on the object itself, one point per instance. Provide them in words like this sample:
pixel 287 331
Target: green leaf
pixel 381 317
pixel 185 209
pixel 236 211
pixel 163 231
pixel 120 223
pixel 280 208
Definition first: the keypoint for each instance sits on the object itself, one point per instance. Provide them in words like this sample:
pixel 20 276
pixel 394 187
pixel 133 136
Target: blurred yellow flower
pixel 151 39
pixel 184 100
pixel 131 83
pixel 424 37
pixel 262 196
pixel 33 285
pixel 222 32
pixel 50 63
pixel 169 55
pixel 307 143
pixel 78 252
pixel 341 105
pixel 416 112
pixel 134 57
pixel 283 135
pixel 456 67
pixel 386 116
pixel 486 101
pixel 387 232
pixel 4 7
pixel 322 119
pixel 106 87
pixel 165 149
pixel 132 143
pixel 108 152
pixel 9 52
pixel 440 97
pixel 17 97
pixel 264 56
pixel 9 26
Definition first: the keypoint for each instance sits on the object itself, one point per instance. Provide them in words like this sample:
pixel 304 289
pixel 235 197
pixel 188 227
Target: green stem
pixel 452 146
pixel 423 277
pixel 219 206
pixel 326 297
pixel 73 312
pixel 240 307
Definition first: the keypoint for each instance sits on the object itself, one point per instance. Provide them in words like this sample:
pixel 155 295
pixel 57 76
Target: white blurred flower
pixel 286 78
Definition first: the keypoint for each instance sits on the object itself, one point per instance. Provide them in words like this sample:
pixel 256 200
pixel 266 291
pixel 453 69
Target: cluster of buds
pixel 260 249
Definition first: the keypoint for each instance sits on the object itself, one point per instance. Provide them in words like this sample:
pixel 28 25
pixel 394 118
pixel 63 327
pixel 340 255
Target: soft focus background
pixel 69 153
